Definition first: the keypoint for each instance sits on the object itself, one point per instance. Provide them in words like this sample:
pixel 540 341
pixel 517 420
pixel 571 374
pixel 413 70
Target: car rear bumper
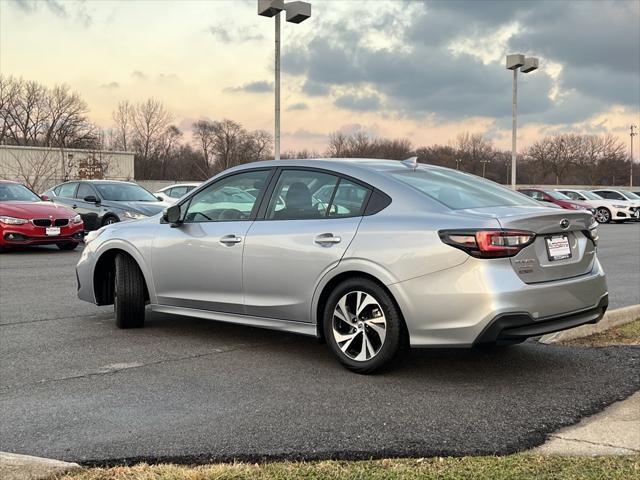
pixel 457 306
pixel 515 327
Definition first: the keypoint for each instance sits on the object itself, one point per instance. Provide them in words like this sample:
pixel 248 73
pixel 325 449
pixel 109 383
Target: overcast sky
pixel 422 70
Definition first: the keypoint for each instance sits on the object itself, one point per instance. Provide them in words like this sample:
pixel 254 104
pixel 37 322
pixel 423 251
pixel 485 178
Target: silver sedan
pixel 372 256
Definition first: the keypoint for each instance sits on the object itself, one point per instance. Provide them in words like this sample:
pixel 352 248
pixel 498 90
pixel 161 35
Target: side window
pixel 177 192
pixel 616 196
pixel 67 190
pixel 348 200
pixel 85 190
pixel 573 195
pixel 227 199
pixel 301 195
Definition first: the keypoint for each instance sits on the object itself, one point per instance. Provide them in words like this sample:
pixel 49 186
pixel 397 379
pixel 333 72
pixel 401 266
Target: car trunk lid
pixel 562 247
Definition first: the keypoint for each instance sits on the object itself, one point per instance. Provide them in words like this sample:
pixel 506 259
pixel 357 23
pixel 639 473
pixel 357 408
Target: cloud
pixel 450 62
pixel 72 10
pixel 228 35
pixel 298 106
pixel 259 86
pixel 138 75
pixel 358 103
pixel 110 86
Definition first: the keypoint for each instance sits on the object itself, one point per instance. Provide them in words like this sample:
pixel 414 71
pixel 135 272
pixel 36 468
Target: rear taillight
pixel 488 243
pixel 592 233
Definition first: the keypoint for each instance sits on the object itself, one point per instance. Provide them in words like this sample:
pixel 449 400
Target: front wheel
pixel 363 326
pixel 603 215
pixel 110 219
pixel 128 298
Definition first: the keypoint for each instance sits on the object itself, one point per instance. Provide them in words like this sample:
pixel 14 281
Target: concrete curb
pixel 25 467
pixel 612 318
pixel 614 431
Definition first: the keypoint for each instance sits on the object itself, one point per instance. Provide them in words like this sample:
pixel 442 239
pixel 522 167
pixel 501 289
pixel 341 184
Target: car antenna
pixel 411 162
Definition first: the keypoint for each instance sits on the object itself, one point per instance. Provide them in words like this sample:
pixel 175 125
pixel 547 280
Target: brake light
pixel 488 243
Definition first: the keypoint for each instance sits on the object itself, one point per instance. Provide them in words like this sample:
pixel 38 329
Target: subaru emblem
pixel 564 223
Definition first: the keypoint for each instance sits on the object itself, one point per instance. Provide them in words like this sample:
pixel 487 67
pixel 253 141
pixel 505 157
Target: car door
pixel 65 194
pixel 297 238
pixel 198 263
pixel 89 211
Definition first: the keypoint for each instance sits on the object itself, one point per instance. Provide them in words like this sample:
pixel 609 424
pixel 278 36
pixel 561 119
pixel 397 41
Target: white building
pixel 41 167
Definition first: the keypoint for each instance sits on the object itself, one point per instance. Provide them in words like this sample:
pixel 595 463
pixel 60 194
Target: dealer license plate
pixel 558 247
pixel 53 231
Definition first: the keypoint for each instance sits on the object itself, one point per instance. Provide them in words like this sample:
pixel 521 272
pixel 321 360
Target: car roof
pixel 10 181
pixel 99 182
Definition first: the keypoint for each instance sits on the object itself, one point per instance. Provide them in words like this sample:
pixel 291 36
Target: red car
pixel 26 219
pixel 557 198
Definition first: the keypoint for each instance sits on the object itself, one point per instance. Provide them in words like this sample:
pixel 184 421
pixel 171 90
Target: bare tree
pixel 204 135
pixel 34 167
pixel 149 121
pixel 122 125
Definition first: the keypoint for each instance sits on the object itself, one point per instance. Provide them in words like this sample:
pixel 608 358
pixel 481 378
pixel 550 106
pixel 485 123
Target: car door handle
pixel 327 239
pixel 230 239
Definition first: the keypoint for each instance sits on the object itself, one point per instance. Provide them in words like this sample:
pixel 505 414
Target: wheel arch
pixel 103 275
pixel 330 284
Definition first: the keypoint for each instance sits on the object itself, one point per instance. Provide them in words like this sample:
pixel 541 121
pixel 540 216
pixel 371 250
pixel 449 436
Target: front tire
pixel 109 220
pixel 603 215
pixel 363 326
pixel 128 301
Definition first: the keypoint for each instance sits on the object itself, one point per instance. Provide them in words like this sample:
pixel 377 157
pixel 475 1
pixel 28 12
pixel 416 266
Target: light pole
pixel 631 135
pixel 458 160
pixel 484 165
pixel 297 12
pixel 526 65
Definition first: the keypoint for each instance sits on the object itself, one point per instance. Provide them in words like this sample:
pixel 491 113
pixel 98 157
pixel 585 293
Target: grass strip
pixel 511 467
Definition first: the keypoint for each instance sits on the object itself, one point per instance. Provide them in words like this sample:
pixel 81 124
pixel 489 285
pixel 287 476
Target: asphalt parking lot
pixel 75 387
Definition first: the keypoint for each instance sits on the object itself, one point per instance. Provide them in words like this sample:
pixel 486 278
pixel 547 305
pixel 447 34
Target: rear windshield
pixel 630 195
pixel 459 190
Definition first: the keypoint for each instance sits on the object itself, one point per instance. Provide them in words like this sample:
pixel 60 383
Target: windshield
pixel 556 195
pixel 630 195
pixel 14 192
pixel 459 190
pixel 590 195
pixel 124 192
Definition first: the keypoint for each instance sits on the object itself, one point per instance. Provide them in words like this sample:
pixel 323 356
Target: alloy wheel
pixel 359 326
pixel 110 221
pixel 602 215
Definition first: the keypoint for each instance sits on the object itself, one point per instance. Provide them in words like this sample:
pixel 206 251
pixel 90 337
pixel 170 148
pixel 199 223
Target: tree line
pixel 32 114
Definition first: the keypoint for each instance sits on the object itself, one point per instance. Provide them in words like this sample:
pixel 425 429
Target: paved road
pixel 74 387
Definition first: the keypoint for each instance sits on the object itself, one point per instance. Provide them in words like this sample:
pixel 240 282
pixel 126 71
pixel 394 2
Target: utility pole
pixel 631 135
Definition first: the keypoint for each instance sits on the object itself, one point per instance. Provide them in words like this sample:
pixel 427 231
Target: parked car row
pixel 606 205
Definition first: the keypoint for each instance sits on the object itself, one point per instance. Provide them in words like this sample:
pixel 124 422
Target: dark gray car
pixel 103 202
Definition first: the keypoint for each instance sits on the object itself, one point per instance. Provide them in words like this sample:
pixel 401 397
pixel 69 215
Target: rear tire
pixel 128 301
pixel 67 245
pixel 379 322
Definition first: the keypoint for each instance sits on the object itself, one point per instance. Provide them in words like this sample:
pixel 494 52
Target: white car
pixel 173 192
pixel 622 197
pixel 606 210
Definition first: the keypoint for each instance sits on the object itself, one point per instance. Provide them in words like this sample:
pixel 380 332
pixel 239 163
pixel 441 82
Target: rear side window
pixel 348 200
pixel 66 190
pixel 301 195
pixel 85 190
pixel 459 190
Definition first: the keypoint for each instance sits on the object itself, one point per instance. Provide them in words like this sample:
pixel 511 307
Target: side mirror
pixel 172 215
pixel 160 198
pixel 44 198
pixel 91 199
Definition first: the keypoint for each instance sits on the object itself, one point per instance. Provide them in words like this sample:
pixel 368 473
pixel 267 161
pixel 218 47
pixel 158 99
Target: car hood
pixel 145 208
pixel 35 210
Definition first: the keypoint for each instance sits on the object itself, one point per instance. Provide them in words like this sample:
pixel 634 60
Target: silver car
pixel 397 255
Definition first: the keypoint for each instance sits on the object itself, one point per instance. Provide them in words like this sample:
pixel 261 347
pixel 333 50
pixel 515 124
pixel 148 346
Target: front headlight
pixel 133 215
pixel 13 220
pixel 77 219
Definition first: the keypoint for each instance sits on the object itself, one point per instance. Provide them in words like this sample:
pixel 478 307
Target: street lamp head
pixel 298 12
pixel 270 8
pixel 530 64
pixel 514 61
